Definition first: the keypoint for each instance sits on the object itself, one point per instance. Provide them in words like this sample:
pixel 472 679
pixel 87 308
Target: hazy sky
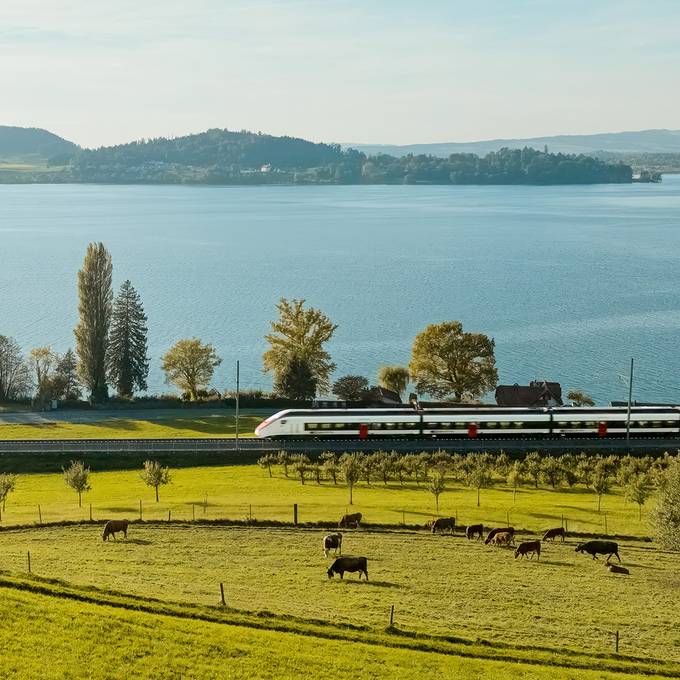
pixel 387 71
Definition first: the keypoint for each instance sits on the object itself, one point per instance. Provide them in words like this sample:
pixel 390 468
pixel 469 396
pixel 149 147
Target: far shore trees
pixel 153 474
pixel 15 377
pixel 449 363
pixel 350 387
pixel 65 378
pixel 300 331
pixel 189 365
pixel 395 378
pixel 42 361
pixel 95 299
pixel 127 362
pixel 77 477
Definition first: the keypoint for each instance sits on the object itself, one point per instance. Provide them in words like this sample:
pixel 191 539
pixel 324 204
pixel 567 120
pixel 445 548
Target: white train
pixel 471 422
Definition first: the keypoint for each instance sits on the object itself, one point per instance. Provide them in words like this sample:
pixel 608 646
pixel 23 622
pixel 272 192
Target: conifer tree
pixel 95 299
pixel 127 361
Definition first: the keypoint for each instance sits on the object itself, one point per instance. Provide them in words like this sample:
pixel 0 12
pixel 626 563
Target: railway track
pixel 231 445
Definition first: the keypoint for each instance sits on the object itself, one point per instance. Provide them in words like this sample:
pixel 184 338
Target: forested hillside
pixel 17 143
pixel 226 157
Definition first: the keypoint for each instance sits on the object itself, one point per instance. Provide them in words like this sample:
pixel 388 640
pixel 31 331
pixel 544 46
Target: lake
pixel 570 281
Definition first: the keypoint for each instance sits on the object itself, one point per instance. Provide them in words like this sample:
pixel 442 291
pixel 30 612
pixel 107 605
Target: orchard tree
pixel 514 477
pixel 127 361
pixel 350 465
pixel 478 471
pixel 329 463
pixel 266 462
pixel 395 378
pixel 95 299
pixel 154 474
pixel 666 516
pixel 447 362
pixel 300 465
pixel 189 365
pixel 302 332
pixel 295 380
pixel 437 485
pixel 350 387
pixel 638 488
pixel 77 476
pixel 532 466
pixel 8 483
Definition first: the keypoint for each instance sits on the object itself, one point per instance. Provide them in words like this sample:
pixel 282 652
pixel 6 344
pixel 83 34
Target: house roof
pixel 536 393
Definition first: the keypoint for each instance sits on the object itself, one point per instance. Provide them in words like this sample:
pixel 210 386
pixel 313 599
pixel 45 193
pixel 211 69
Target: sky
pixel 372 71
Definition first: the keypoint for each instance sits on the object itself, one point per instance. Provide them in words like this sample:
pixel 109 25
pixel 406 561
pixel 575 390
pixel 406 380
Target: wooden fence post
pixel 39 514
pixel 507 518
pixel 205 504
pixel 29 561
pixel 403 518
pixel 605 523
pixel 140 509
pixel 566 526
pixel 295 514
pixel 222 594
pixel 617 641
pixel 250 513
pixel 391 616
pixel 562 524
pixel 193 511
pixel 90 512
pixel 168 515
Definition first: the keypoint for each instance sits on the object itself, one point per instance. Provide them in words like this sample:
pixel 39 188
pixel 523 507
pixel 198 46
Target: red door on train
pixel 363 431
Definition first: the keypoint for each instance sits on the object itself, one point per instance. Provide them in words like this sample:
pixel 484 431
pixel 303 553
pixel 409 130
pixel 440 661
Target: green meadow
pixel 240 492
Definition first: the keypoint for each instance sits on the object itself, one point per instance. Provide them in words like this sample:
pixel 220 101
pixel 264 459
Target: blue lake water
pixel 570 281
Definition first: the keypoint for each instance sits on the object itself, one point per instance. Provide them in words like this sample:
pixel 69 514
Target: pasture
pixel 117 637
pixel 245 492
pixel 439 585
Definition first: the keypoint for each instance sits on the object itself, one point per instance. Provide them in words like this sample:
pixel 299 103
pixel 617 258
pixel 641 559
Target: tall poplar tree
pixel 127 361
pixel 95 300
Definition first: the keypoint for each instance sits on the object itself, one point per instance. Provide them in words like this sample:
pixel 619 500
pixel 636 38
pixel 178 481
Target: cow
pixel 444 523
pixel 596 548
pixel 349 521
pixel 529 548
pixel 552 534
pixel 428 524
pixel 332 542
pixel 474 530
pixel 493 532
pixel 343 564
pixel 113 526
pixel 616 569
pixel 503 538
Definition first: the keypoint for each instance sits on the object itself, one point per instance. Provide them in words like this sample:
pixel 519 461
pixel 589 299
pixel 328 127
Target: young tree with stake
pixel 77 476
pixel 436 486
pixel 154 474
pixel 350 464
pixel 8 483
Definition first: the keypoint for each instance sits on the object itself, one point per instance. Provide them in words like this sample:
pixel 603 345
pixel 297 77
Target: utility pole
pixel 630 399
pixel 237 399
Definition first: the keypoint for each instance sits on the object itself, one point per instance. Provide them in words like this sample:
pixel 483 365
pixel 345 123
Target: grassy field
pixel 442 586
pixel 246 491
pixel 99 635
pixel 194 426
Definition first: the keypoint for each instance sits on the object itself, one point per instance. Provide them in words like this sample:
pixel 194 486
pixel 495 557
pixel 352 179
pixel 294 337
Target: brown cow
pixel 113 526
pixel 444 523
pixel 343 564
pixel 529 547
pixel 350 521
pixel 503 538
pixel 474 530
pixel 552 534
pixel 493 532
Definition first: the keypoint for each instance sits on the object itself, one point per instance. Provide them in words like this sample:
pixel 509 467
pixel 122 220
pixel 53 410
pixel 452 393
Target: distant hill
pixel 643 141
pixel 17 143
pixel 247 158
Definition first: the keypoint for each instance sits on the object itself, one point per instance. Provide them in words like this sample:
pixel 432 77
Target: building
pixel 537 393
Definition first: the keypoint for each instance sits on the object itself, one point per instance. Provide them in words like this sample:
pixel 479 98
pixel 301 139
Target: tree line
pixel 111 352
pixel 227 157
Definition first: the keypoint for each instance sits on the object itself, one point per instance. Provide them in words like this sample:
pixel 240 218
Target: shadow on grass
pixel 375 584
pixel 137 541
pixel 121 508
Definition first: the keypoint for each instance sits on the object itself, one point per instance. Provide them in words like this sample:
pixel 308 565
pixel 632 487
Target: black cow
pixel 343 564
pixel 444 523
pixel 474 530
pixel 552 534
pixel 596 548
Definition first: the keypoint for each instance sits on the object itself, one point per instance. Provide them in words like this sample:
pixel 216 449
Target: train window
pixel 505 424
pixel 517 424
pixel 491 425
pixel 326 426
pixel 671 423
pixel 642 423
pixel 562 424
pixel 591 424
pixel 311 426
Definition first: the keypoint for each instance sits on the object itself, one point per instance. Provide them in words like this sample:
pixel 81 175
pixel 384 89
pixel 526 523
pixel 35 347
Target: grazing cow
pixel 529 548
pixel 596 548
pixel 552 534
pixel 474 530
pixel 503 538
pixel 616 569
pixel 113 526
pixel 444 523
pixel 350 521
pixel 493 532
pixel 343 564
pixel 332 542
pixel 429 523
